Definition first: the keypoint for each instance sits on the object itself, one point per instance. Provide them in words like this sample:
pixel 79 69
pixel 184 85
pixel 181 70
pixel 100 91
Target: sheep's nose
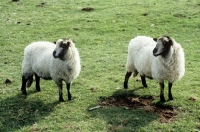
pixel 54 55
pixel 154 51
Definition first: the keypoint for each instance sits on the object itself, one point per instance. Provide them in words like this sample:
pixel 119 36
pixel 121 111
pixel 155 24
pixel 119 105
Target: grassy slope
pixel 102 38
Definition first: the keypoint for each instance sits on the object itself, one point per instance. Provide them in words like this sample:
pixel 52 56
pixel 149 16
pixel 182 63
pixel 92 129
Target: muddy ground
pixel 167 113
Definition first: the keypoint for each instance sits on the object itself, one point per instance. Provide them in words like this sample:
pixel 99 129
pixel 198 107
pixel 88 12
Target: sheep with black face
pixel 160 59
pixel 60 62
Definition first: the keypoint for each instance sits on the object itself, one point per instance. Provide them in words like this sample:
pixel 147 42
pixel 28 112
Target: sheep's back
pixel 140 51
pixel 37 58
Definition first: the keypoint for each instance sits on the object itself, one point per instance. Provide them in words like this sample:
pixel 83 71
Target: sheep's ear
pixel 155 39
pixel 68 44
pixel 170 41
pixel 54 42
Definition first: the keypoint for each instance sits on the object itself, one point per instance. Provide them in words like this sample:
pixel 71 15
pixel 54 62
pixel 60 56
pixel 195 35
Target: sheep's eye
pixel 164 43
pixel 64 45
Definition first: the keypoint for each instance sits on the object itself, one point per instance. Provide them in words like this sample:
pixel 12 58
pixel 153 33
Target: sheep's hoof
pixel 162 99
pixel 70 98
pixel 61 100
pixel 145 86
pixel 125 86
pixel 24 92
pixel 170 98
pixel 38 90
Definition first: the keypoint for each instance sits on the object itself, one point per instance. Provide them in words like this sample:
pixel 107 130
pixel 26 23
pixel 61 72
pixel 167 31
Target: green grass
pixel 102 38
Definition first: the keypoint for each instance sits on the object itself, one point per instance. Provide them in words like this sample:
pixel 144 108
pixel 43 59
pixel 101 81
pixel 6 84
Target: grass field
pixel 101 36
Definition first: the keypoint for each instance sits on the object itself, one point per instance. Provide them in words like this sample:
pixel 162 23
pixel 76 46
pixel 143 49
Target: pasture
pixel 101 30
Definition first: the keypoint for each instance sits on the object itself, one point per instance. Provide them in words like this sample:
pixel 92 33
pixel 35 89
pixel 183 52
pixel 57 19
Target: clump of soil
pixel 87 9
pixel 167 113
pixel 41 5
pixel 7 81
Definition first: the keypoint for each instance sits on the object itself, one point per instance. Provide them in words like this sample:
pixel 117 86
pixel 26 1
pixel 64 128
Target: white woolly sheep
pixel 60 62
pixel 160 59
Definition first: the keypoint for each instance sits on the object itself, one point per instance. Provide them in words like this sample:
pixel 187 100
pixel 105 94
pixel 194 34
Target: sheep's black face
pixel 163 46
pixel 62 46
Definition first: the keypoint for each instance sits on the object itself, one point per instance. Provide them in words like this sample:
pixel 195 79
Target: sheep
pixel 160 59
pixel 60 62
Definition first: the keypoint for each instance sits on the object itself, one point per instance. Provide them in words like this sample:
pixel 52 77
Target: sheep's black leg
pixel 169 91
pixel 143 81
pixel 37 79
pixel 162 98
pixel 68 91
pixel 128 74
pixel 23 88
pixel 60 91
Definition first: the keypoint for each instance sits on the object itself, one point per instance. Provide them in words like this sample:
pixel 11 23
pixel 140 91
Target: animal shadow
pixel 16 112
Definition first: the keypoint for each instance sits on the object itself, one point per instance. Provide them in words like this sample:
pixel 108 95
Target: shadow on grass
pixel 16 112
pixel 120 118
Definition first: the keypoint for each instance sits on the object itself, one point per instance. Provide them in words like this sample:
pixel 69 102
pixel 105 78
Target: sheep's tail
pixel 130 66
pixel 29 82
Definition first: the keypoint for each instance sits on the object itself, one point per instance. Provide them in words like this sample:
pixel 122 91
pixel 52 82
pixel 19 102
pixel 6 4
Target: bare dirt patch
pixel 167 113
